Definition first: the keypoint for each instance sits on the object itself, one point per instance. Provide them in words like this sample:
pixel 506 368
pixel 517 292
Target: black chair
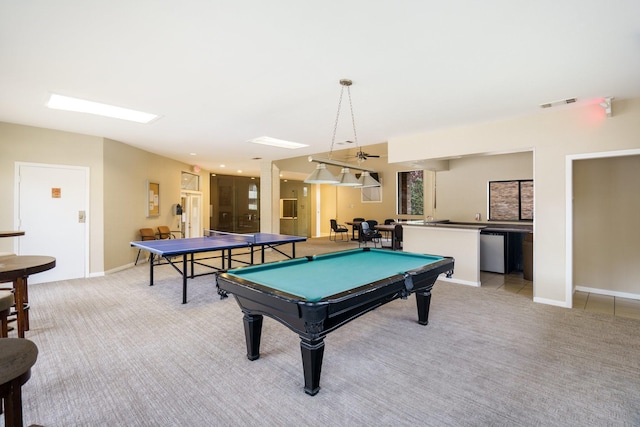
pixel 369 234
pixel 397 244
pixel 338 229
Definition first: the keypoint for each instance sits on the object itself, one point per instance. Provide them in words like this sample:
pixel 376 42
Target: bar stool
pixel 6 302
pixel 17 356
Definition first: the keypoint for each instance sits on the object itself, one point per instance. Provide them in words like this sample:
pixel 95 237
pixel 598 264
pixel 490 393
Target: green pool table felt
pixel 333 273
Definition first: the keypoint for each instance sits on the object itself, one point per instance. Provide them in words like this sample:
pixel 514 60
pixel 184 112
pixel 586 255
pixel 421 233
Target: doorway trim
pixel 569 210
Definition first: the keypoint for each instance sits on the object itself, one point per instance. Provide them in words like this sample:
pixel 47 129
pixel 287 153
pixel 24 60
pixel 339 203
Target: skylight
pixel 60 102
pixel 266 140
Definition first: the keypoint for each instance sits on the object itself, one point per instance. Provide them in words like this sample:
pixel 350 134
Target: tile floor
pixel 515 283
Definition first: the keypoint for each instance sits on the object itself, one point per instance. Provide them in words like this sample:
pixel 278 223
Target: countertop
pixel 483 226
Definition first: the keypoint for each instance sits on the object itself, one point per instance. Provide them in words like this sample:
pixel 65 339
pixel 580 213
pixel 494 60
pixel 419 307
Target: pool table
pixel 315 295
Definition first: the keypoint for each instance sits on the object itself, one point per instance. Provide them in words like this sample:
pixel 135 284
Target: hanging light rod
pixel 321 175
pixel 339 164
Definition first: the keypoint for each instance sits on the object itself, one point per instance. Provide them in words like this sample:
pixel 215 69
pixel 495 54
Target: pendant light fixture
pixel 366 180
pixel 321 175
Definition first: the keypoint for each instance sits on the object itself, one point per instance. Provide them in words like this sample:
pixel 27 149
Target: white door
pixel 192 214
pixel 52 209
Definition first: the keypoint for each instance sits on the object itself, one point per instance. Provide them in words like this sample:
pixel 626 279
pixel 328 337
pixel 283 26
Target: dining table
pixel 16 269
pixel 391 229
pixel 355 226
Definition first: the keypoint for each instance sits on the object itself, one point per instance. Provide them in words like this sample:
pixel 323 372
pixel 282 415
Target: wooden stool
pixel 6 302
pixel 17 356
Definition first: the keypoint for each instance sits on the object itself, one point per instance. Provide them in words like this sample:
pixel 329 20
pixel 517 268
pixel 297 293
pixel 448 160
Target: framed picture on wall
pixel 153 199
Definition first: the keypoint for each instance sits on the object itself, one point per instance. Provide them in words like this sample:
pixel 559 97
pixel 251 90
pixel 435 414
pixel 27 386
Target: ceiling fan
pixel 362 156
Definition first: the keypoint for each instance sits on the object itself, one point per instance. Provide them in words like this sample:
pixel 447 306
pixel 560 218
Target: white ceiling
pixel 222 72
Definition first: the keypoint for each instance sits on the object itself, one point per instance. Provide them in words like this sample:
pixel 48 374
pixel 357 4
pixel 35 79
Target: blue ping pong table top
pixel 169 247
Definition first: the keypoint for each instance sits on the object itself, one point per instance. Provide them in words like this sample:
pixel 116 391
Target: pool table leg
pixel 423 301
pixel 252 333
pixel 312 352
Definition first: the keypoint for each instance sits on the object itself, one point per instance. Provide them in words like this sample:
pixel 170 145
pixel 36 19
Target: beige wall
pixel 118 175
pixel 126 171
pixel 462 190
pixel 605 246
pixel 552 135
pixel 36 145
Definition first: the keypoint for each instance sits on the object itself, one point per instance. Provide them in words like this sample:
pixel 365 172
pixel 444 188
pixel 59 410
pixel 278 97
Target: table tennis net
pixel 237 237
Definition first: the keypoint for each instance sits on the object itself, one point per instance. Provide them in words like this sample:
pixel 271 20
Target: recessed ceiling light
pixel 222 166
pixel 59 102
pixel 266 140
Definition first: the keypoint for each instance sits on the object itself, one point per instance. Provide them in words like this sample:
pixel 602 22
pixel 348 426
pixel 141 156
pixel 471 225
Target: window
pixel 411 193
pixel 190 181
pixel 511 200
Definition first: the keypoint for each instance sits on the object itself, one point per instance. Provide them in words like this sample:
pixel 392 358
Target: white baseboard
pixel 551 302
pixel 607 292
pixel 122 267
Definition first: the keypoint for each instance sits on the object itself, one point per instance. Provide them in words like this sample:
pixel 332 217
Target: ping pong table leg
pixel 184 278
pixel 192 267
pixel 293 250
pixel 151 262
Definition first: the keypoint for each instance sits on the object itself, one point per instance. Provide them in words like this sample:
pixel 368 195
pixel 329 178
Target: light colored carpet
pixel 117 352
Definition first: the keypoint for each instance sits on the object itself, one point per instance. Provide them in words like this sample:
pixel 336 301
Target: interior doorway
pixel 52 208
pixel 573 214
pixel 191 221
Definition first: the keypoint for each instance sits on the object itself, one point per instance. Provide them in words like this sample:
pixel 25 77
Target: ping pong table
pixel 214 242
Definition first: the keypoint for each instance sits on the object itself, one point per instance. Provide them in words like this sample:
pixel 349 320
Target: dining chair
pixel 338 229
pixel 145 234
pixel 164 232
pixel 397 244
pixel 369 234
pixel 6 303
